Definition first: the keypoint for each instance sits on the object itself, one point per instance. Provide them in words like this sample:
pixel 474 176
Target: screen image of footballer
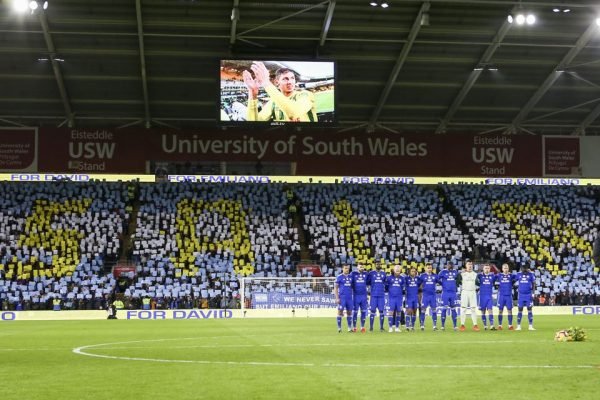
pixel 277 92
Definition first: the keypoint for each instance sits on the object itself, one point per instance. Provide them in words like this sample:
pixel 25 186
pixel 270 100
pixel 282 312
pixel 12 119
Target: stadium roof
pixel 440 66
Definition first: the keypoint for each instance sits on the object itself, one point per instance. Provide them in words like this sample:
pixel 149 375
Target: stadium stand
pixel 546 228
pixel 194 241
pixel 55 240
pixel 378 223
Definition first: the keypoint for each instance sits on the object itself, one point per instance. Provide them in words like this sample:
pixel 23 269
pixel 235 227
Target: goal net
pixel 291 293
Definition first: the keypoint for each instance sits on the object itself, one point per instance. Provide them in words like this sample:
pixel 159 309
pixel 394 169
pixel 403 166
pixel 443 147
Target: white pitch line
pixel 82 351
pixel 352 344
pixel 39 349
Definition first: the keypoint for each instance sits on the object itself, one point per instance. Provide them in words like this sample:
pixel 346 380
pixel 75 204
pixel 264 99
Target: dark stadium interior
pixel 437 66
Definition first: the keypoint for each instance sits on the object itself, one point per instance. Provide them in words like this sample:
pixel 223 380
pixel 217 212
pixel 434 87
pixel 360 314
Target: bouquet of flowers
pixel 575 334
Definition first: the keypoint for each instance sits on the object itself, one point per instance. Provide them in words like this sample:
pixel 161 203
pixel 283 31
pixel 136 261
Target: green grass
pixel 292 359
pixel 324 101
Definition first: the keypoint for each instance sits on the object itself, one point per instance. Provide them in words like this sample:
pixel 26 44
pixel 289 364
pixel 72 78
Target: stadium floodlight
pixel 20 5
pixel 598 21
pixel 521 19
pixel 33 5
pixel 383 4
pixel 45 6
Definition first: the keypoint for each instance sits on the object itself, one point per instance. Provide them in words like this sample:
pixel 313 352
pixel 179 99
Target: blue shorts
pixel 412 303
pixel 505 301
pixel 449 299
pixel 377 302
pixel 395 303
pixel 485 303
pixel 429 301
pixel 346 303
pixel 525 300
pixel 360 302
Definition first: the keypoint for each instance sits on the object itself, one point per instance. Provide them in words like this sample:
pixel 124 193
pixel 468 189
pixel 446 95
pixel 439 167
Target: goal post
pixel 287 293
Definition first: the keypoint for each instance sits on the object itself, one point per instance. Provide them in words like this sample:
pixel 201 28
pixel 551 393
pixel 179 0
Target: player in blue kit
pixel 428 282
pixel 449 279
pixel 359 287
pixel 343 296
pixel 526 284
pixel 505 281
pixel 412 298
pixel 395 288
pixel 486 288
pixel 376 282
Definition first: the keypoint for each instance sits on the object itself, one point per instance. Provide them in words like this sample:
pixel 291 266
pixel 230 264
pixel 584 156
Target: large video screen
pixel 277 92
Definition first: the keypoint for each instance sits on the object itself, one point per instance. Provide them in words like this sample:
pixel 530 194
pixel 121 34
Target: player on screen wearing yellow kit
pixel 285 103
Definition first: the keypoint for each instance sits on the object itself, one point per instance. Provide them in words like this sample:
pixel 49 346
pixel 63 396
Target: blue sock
pixel 484 319
pixel 491 319
pixel 381 319
pixel 434 317
pixel 339 321
pixel 500 317
pixel 422 318
pixel 349 319
pixel 398 318
pixel 454 317
pixel 530 317
pixel 391 321
pixel 354 317
pixel 519 317
pixel 413 320
pixel 510 319
pixel 371 319
pixel 444 313
pixel 363 317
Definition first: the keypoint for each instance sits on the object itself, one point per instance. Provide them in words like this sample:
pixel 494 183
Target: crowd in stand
pixel 547 228
pixel 55 239
pixel 375 223
pixel 193 242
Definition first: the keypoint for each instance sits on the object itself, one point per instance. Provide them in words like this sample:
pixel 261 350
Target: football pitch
pixel 324 101
pixel 297 358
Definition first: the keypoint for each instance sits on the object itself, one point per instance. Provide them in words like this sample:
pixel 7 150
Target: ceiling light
pixel 33 5
pixel 598 21
pixel 556 10
pixel 566 10
pixel 374 3
pixel 385 5
pixel 520 19
pixel 45 7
